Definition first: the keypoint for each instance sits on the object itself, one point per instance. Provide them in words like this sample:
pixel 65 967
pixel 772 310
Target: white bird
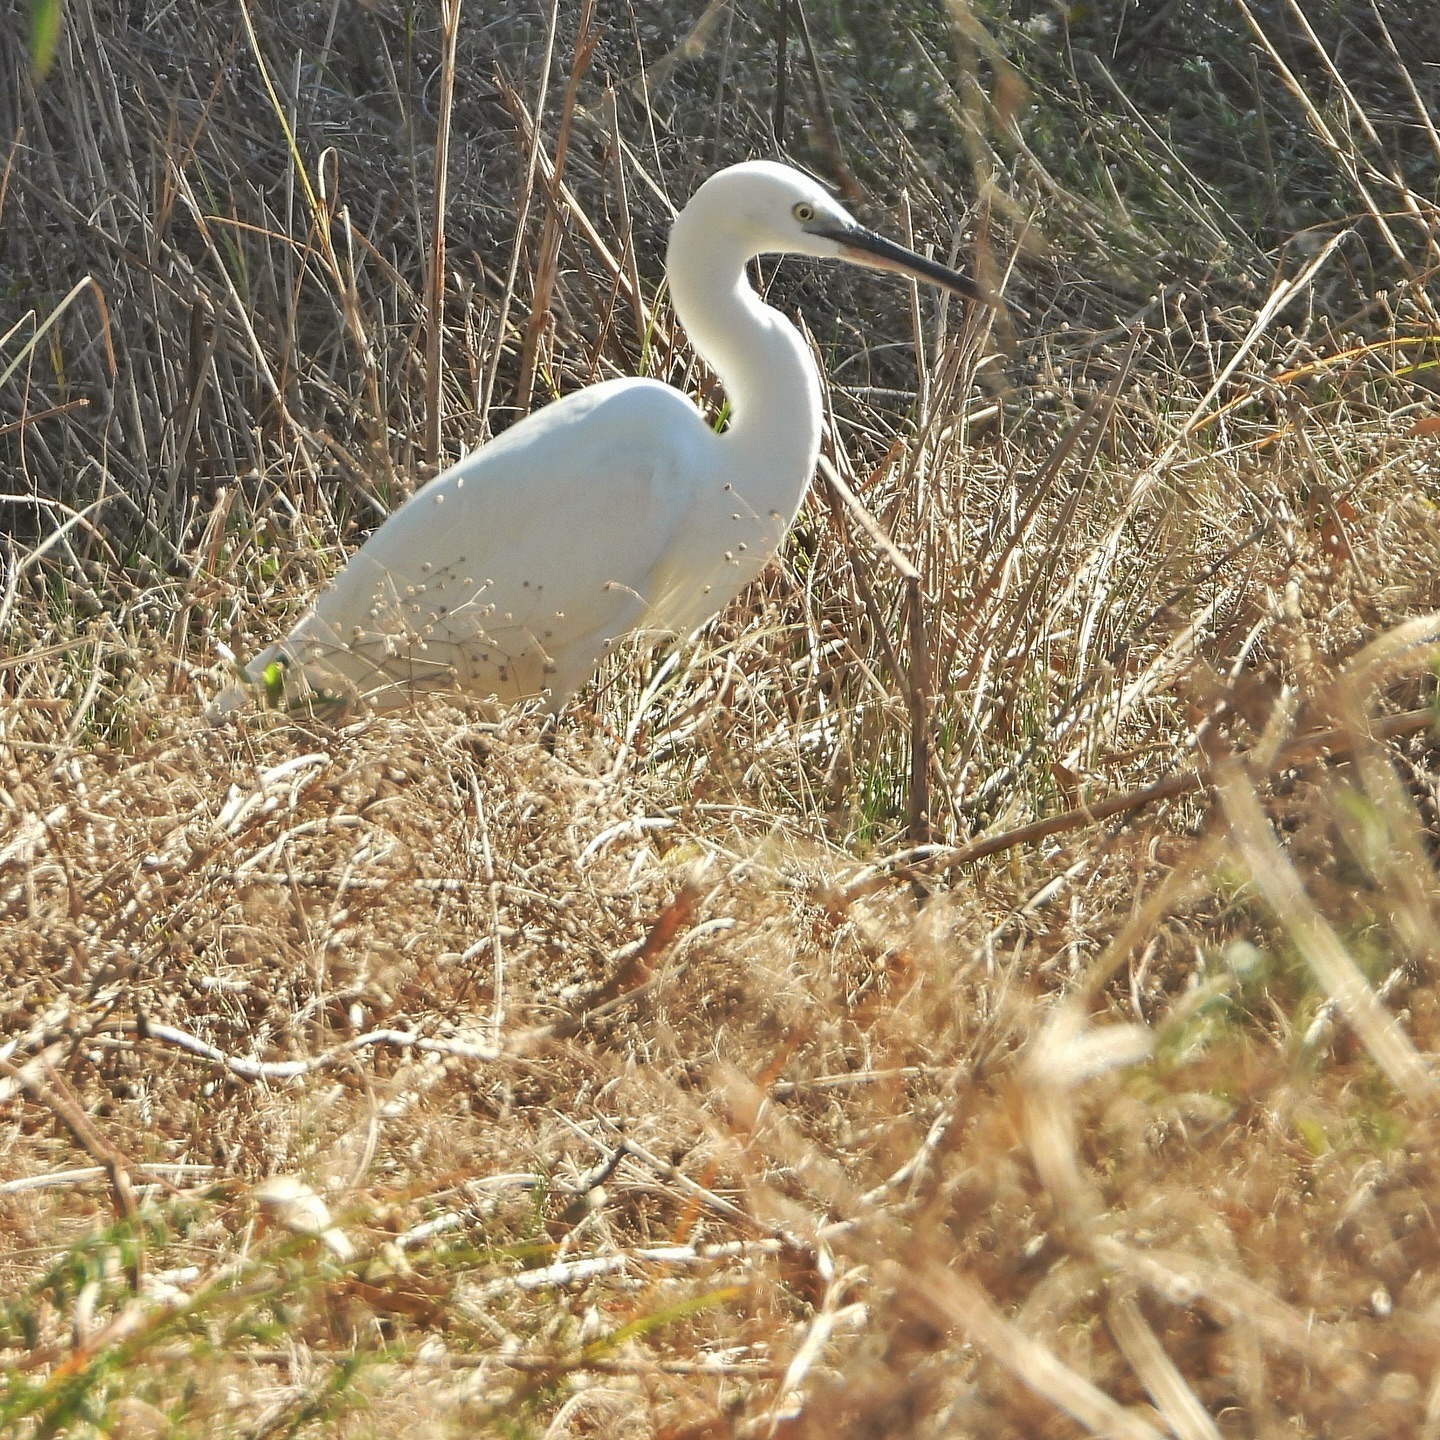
pixel 615 509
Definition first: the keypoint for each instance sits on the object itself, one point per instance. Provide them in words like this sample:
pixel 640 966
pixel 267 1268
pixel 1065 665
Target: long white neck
pixel 762 360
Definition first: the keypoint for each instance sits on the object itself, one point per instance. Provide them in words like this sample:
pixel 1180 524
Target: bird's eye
pixel 804 212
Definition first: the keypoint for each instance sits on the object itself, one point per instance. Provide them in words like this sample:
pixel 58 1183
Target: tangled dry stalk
pixel 1010 1012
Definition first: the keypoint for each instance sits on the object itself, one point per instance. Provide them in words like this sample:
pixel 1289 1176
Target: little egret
pixel 613 510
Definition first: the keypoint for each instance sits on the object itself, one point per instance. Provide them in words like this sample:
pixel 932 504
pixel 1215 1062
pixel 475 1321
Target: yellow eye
pixel 804 212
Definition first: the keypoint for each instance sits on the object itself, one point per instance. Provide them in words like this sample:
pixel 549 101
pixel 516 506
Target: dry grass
pixel 671 1073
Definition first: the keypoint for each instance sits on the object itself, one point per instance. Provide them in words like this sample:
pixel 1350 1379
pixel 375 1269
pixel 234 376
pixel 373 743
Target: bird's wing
pixel 510 573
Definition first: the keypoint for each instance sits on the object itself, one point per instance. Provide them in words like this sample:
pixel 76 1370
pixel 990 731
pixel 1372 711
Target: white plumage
pixel 612 510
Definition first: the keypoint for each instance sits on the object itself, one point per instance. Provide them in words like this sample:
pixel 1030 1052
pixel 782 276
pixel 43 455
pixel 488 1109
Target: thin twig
pixel 247 1068
pixel 940 859
pixel 57 1097
pixel 585 42
pixel 530 137
pixel 435 286
pixel 436 1357
pixel 824 115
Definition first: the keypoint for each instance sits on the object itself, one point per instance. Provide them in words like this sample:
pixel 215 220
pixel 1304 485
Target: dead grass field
pixel 1021 1023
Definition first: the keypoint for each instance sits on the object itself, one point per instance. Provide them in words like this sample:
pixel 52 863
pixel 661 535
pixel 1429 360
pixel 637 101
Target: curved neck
pixel 762 360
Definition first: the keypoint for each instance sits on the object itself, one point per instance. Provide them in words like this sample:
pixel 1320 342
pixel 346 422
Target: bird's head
pixel 768 209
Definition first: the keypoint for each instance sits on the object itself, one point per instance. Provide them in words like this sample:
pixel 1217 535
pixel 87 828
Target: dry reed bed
pixel 631 1106
pixel 653 1083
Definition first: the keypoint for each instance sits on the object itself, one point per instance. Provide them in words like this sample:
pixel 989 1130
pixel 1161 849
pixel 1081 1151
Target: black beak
pixel 863 247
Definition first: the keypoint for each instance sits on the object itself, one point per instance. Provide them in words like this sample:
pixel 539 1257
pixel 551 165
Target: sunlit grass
pixel 646 1074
